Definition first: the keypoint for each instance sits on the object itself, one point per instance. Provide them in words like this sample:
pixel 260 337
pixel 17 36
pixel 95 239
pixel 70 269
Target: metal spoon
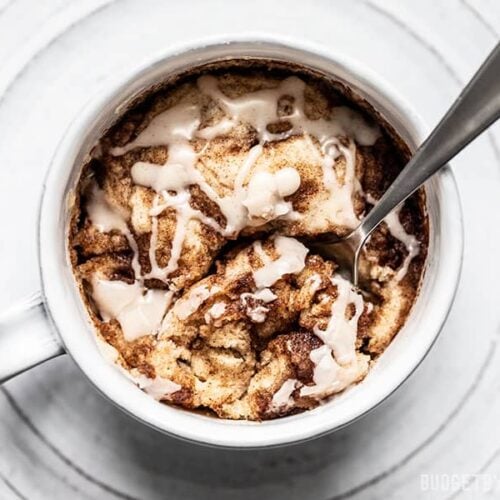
pixel 476 108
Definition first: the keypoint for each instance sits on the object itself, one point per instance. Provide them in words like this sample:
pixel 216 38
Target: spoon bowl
pixel 476 108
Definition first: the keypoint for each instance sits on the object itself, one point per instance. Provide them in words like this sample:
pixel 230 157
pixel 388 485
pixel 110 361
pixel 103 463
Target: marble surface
pixel 60 439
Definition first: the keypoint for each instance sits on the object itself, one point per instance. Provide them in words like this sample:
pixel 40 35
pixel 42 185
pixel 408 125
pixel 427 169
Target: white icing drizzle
pixel 398 231
pixel 266 192
pixel 221 128
pixel 102 215
pixel 183 209
pixel 107 218
pixel 265 295
pixel 291 260
pixel 369 307
pixel 157 387
pixel 175 125
pixel 176 174
pixel 282 398
pixel 340 333
pixel 335 365
pixel 328 375
pixel 137 312
pixel 257 313
pixel 259 109
pixel 252 157
pixel 215 312
pixel 190 303
pixel 340 202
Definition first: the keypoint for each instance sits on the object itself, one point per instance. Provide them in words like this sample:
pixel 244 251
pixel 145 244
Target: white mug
pixel 55 321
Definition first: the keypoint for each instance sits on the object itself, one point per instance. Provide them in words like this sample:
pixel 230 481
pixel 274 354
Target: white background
pixel 59 439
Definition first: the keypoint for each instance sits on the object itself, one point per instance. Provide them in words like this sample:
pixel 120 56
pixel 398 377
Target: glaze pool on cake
pixel 185 240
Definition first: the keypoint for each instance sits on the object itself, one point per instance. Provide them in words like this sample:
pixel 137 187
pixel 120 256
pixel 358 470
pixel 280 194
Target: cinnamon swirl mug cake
pixel 171 245
pixel 186 235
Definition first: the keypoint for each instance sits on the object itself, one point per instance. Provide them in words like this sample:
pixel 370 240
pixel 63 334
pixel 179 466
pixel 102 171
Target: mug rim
pixel 177 422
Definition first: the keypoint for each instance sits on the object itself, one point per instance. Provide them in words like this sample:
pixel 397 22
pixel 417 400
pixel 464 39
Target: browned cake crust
pixel 234 354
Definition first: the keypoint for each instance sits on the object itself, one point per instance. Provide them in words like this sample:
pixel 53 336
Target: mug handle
pixel 26 337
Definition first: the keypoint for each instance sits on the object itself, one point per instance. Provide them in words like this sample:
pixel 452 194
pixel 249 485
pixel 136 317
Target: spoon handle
pixel 476 108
